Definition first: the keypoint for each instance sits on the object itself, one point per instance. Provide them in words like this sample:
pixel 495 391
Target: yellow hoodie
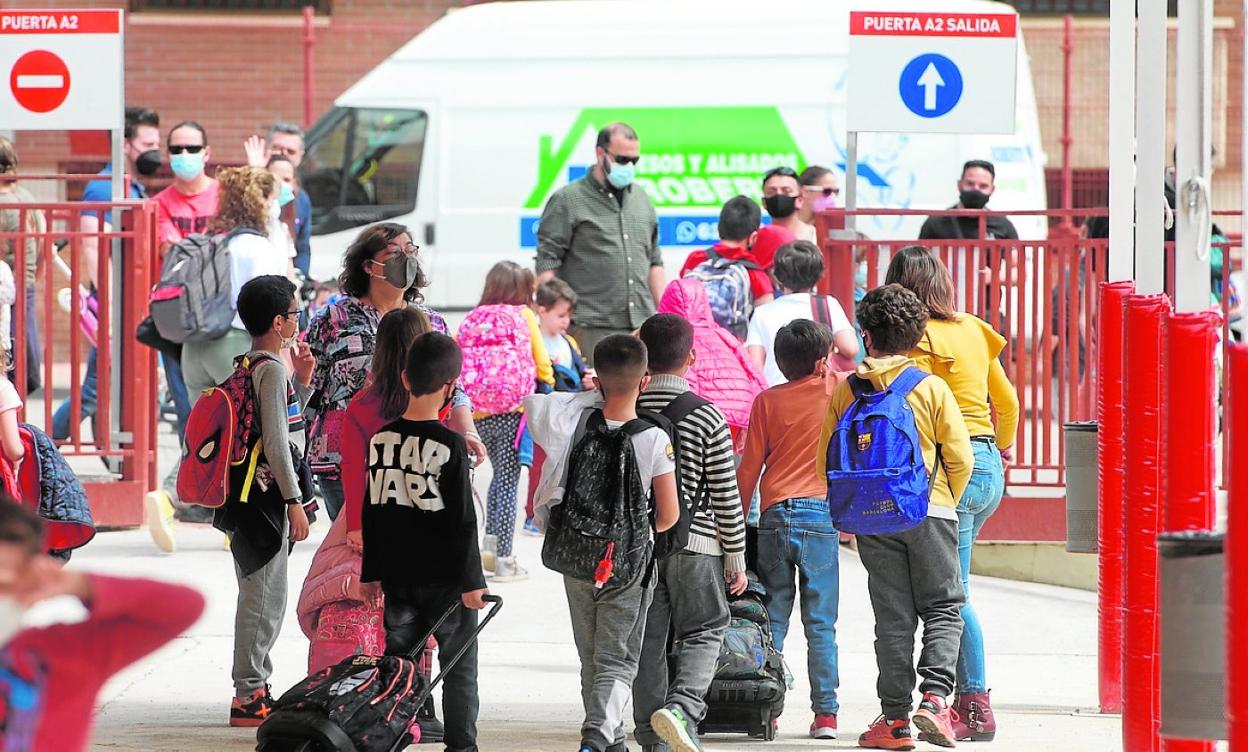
pixel 937 417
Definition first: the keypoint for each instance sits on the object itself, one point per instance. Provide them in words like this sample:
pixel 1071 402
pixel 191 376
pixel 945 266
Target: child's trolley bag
pixel 747 694
pixel 363 704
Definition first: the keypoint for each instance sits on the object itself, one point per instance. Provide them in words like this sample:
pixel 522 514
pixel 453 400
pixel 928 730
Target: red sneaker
pixel 251 711
pixel 934 720
pixel 824 726
pixel 886 734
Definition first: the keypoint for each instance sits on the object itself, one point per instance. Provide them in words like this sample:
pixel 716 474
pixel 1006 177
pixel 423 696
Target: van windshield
pixel 362 166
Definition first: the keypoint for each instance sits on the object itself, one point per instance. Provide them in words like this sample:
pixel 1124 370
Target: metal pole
pixel 851 178
pixel 1150 137
pixel 1193 155
pixel 117 267
pixel 309 41
pixel 1068 47
pixel 1121 141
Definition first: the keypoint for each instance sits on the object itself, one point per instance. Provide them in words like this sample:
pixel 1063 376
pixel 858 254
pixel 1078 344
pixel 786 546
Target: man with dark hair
pixel 976 186
pixel 798 268
pixel 820 191
pixel 723 267
pixel 600 234
pixel 786 202
pixel 190 202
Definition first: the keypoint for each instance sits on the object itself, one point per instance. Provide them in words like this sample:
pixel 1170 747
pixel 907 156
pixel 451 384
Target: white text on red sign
pixel 62 22
pixel 875 23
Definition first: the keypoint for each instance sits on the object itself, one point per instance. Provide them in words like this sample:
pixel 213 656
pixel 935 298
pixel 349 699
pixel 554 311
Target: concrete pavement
pixel 1041 645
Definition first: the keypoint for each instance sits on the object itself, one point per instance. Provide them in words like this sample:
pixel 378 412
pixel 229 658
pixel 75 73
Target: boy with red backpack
pixel 897 457
pixel 505 361
pixel 256 478
pixel 736 283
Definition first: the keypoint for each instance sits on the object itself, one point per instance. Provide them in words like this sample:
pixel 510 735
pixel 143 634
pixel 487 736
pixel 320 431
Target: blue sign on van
pixel 685 231
pixel 930 85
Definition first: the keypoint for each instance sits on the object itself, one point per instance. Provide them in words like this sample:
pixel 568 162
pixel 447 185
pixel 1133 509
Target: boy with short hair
pixel 689 602
pixel 913 574
pixel 796 534
pixel 273 516
pixel 420 531
pixel 739 220
pixel 608 617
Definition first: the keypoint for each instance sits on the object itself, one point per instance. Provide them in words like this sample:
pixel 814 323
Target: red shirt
pixel 760 280
pixel 362 419
pixel 50 676
pixel 179 215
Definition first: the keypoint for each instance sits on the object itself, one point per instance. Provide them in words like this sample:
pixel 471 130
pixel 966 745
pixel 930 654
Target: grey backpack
pixel 193 301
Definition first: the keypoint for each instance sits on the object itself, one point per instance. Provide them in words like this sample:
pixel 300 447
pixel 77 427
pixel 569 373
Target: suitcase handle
pixel 497 602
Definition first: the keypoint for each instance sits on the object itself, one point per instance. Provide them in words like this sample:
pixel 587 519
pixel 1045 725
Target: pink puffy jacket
pixel 722 372
pixel 334 577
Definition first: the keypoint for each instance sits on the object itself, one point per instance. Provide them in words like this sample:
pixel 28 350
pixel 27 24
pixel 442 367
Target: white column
pixel 1193 141
pixel 1122 141
pixel 1150 139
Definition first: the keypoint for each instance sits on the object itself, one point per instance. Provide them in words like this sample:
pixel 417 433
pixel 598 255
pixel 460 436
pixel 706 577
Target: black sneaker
pixel 252 710
pixel 431 729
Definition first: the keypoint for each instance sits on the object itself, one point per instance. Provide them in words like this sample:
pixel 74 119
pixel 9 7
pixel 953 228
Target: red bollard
pixel 1235 414
pixel 1191 429
pixel 1109 504
pixel 1144 392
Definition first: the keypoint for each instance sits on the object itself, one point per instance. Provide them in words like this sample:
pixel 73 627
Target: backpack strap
pixel 820 311
pixel 860 386
pixel 681 407
pixel 715 257
pixel 907 380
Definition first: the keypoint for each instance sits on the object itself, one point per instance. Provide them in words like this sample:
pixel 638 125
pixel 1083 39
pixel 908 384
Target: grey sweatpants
pixel 258 620
pixel 607 627
pixel 910 576
pixel 689 604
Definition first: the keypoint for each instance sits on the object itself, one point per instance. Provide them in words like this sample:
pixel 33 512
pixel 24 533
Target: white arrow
pixel 930 81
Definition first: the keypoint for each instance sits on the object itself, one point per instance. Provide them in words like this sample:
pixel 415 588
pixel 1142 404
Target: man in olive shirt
pixel 600 235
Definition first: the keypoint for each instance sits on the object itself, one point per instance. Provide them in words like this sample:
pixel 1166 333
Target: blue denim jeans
pixel 177 392
pixel 60 419
pixel 798 534
pixel 979 501
pixel 332 494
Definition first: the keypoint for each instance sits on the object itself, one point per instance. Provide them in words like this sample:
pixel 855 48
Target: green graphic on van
pixel 690 156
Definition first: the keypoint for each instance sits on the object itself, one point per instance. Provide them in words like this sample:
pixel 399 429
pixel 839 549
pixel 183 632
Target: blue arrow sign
pixel 930 85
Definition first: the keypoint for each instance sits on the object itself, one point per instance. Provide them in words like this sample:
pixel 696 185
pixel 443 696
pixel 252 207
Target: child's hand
pixel 476 448
pixel 304 362
pixel 737 582
pixel 298 522
pixel 475 599
pixel 355 540
pixel 370 594
pixel 1007 457
pixel 587 382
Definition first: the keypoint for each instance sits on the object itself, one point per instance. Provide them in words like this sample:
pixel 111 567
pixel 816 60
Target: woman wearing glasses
pixel 820 191
pixel 190 203
pixel 381 272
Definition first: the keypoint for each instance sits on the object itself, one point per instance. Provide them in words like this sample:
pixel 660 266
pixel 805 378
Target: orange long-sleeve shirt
pixel 784 427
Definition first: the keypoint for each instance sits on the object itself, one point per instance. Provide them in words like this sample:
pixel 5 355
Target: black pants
pixel 410 612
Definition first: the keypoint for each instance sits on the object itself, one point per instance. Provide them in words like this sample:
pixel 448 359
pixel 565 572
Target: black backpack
pixel 674 540
pixel 600 531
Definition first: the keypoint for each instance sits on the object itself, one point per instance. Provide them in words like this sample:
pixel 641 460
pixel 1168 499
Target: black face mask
pixel 973 199
pixel 148 162
pixel 780 206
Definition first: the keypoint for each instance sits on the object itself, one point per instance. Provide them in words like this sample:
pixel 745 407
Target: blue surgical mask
pixel 860 276
pixel 621 175
pixel 187 166
pixel 286 195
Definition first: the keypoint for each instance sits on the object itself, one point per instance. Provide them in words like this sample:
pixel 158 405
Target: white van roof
pixel 600 30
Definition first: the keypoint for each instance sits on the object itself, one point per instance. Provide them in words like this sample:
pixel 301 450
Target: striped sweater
pixel 706 460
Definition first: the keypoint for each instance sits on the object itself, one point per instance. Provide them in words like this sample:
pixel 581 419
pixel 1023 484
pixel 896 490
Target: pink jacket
pixel 722 372
pixel 334 577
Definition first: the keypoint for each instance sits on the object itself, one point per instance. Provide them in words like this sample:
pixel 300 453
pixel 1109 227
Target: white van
pixel 464 133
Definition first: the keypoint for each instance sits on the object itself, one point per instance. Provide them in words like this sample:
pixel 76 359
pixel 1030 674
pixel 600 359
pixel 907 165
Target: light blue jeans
pixel 979 501
pixel 798 534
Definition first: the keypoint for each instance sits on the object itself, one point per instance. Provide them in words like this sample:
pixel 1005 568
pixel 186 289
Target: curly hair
pixel 372 240
pixel 894 317
pixel 244 198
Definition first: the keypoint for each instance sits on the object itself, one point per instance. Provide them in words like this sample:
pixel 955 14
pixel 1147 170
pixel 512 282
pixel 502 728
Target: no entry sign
pixel 932 72
pixel 64 69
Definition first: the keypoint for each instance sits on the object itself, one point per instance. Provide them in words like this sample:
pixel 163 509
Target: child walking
pixel 612 462
pixel 795 531
pixel 420 531
pixel 911 575
pixel 689 611
pixel 273 514
pixel 504 361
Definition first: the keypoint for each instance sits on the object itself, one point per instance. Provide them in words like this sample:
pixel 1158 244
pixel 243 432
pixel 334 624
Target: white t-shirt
pixel 9 398
pixel 253 256
pixel 654 453
pixel 770 318
pixel 559 350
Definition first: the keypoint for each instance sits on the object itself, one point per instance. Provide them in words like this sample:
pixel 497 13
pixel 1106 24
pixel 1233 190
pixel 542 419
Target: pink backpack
pixel 498 368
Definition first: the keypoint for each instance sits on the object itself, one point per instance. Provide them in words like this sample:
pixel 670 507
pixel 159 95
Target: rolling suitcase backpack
pixel 363 704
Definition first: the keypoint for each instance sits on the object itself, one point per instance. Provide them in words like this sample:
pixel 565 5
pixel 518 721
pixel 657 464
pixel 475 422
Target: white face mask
pixel 11 614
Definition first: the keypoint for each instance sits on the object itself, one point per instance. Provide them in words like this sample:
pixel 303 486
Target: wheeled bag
pixel 747 693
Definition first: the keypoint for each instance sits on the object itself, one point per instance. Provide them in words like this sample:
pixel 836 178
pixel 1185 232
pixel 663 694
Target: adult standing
pixel 820 191
pixel 381 272
pixel 964 351
pixel 33 224
pixel 785 201
pixel 287 140
pixel 600 234
pixel 141 147
pixel 975 188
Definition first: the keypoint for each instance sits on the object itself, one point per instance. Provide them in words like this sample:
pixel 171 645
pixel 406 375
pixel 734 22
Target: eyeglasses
pixel 786 172
pixel 826 192
pixel 621 159
pixel 411 249
pixel 179 148
pixel 288 314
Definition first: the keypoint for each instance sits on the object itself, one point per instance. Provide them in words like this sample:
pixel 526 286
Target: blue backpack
pixel 877 480
pixel 727 283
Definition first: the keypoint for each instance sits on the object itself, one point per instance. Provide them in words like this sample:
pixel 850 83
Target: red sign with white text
pixel 59 22
pixel 904 24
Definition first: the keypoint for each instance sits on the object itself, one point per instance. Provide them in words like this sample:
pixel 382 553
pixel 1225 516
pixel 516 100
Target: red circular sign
pixel 39 81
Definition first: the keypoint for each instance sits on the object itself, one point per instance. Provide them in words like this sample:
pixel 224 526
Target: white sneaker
pixel 159 509
pixel 489 552
pixel 509 570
